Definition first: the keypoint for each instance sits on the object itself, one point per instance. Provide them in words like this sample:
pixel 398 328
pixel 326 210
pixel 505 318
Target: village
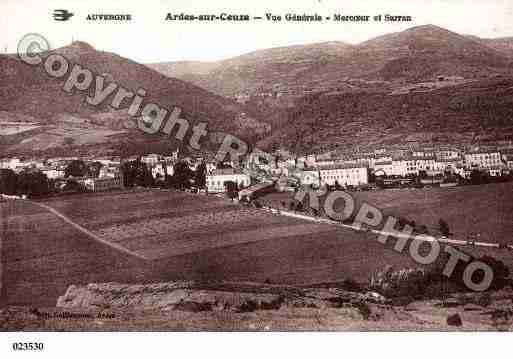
pixel 381 168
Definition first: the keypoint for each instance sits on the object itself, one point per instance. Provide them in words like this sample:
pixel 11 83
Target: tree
pixel 478 177
pixel 8 181
pixel 182 177
pixel 501 272
pixel 136 173
pixel 200 175
pixel 73 186
pixel 33 183
pixel 423 229
pixel 93 169
pixel 76 168
pixel 232 189
pixel 443 227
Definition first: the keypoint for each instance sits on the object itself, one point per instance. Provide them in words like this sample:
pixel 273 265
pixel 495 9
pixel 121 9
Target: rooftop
pixel 224 172
pixel 342 166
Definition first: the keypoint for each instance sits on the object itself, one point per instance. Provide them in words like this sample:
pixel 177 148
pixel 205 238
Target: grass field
pixel 484 212
pixel 181 236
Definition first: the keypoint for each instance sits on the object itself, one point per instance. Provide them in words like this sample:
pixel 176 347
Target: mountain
pixel 184 68
pixel 464 113
pixel 381 64
pixel 503 44
pixel 28 90
pixel 424 84
pixel 264 69
pixel 423 52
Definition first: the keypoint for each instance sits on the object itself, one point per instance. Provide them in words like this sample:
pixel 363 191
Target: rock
pixel 454 320
pixel 392 282
pixel 374 297
pixel 195 297
pixel 175 296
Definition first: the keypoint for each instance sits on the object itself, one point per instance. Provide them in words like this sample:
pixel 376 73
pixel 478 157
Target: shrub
pixel 363 309
pixel 484 300
pixel 443 227
pixel 500 272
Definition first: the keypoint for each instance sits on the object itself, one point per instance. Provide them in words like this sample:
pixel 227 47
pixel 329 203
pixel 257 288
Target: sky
pixel 149 38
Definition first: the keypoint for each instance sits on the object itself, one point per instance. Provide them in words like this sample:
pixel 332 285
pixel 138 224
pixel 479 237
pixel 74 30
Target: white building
pixel 109 162
pixel 345 175
pixel 448 164
pixel 447 154
pixel 425 163
pixel 424 152
pixel 53 173
pixel 109 172
pixel 495 171
pixel 102 184
pixel 462 171
pixel 310 177
pixel 404 167
pixel 217 178
pixel 411 165
pixel 160 169
pixel 11 163
pixel 151 159
pixel 384 168
pixel 483 159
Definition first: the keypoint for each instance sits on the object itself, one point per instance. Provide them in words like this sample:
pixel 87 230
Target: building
pixel 109 171
pixel 384 168
pixel 161 169
pixel 507 159
pixel 11 163
pixel 344 175
pixel 310 177
pixel 102 184
pixel 461 171
pixel 405 167
pixel 53 173
pixel 256 191
pixel 217 178
pixel 151 159
pixel 424 152
pixel 447 164
pixel 424 163
pixel 496 171
pixel 447 154
pixel 408 165
pixel 482 159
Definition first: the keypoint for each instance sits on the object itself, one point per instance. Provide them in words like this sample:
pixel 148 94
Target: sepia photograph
pixel 293 167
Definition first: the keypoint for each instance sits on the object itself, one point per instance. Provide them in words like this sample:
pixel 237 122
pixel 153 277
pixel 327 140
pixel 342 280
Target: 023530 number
pixel 27 346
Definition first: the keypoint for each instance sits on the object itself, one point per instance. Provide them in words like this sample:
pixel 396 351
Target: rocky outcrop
pixel 190 296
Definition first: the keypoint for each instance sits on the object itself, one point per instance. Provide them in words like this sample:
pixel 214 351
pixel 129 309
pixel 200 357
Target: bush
pixel 500 272
pixel 443 227
pixel 423 229
pixel 484 300
pixel 364 310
